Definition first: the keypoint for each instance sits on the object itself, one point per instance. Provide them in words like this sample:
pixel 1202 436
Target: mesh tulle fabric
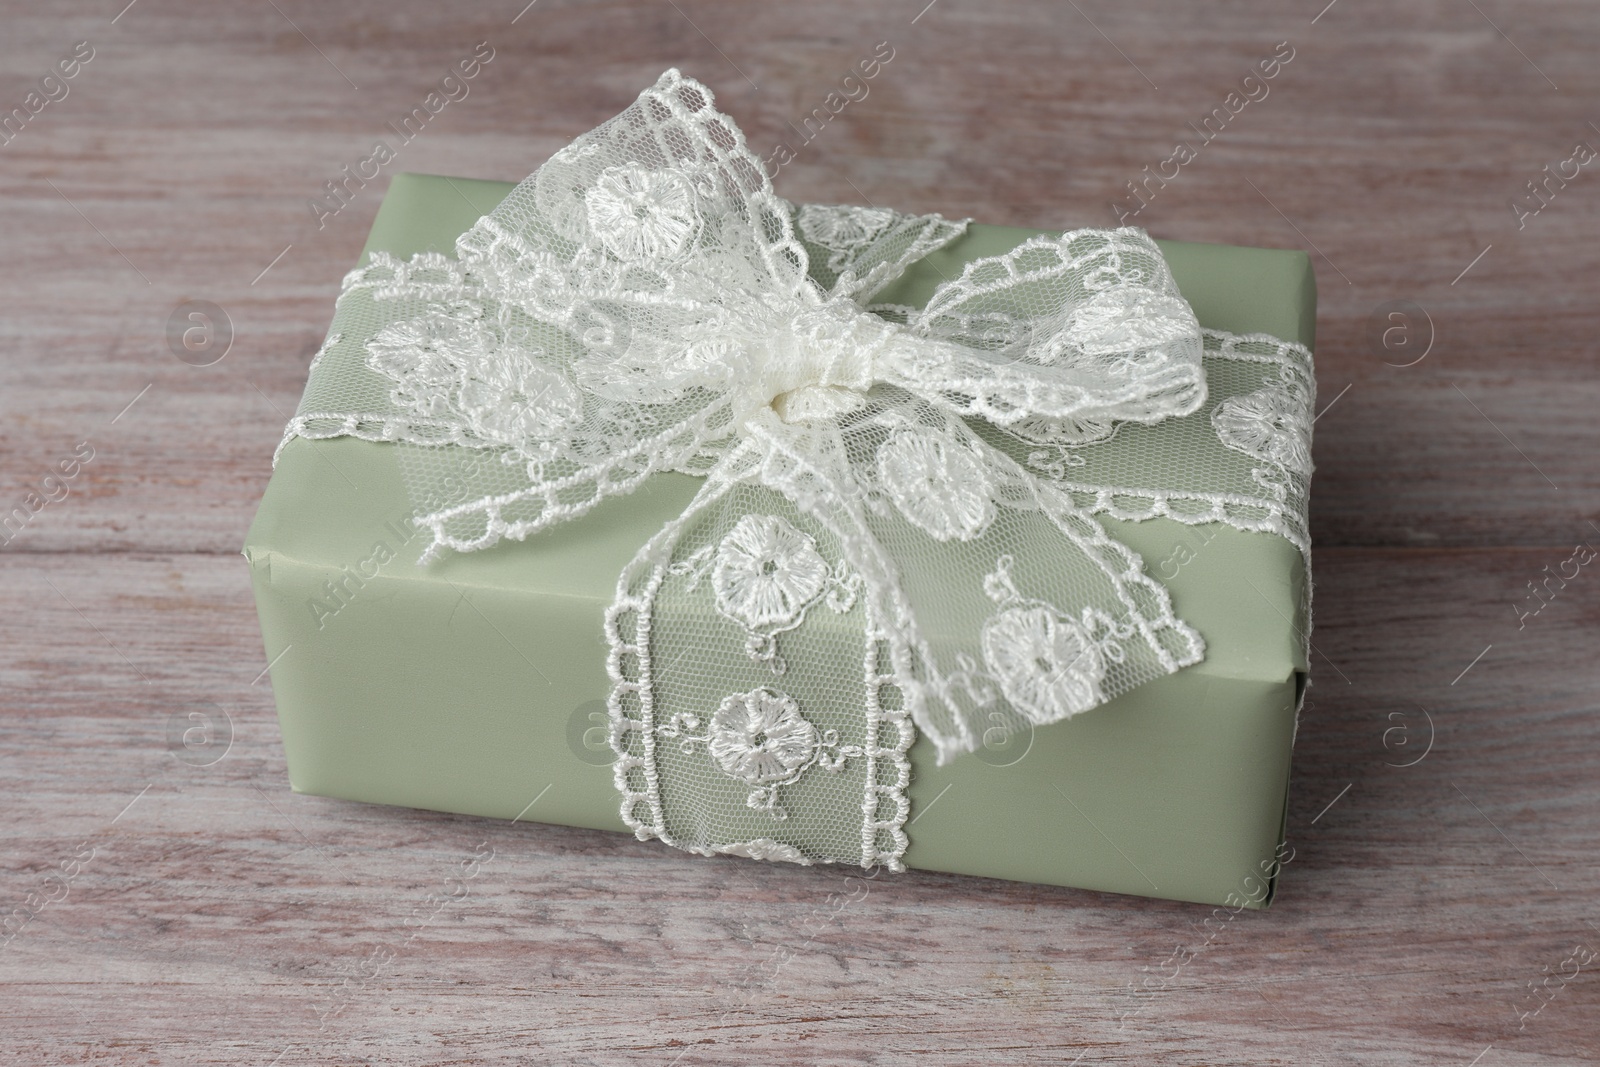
pixel 896 529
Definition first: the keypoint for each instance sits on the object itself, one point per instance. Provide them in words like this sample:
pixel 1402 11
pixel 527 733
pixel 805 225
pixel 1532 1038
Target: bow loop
pixel 1087 325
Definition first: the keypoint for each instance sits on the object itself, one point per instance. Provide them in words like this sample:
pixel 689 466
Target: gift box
pixel 478 683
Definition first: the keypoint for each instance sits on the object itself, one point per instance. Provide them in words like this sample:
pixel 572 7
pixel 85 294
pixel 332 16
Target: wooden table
pixel 1446 807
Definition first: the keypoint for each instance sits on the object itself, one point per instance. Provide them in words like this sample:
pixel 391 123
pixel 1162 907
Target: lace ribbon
pixel 896 530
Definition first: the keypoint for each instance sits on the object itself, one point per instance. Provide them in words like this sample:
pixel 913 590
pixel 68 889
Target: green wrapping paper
pixel 477 684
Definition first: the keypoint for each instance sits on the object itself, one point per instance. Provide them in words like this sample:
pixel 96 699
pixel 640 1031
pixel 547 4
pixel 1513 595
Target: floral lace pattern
pixel 1269 424
pixel 843 228
pixel 766 572
pixel 435 364
pixel 765 575
pixel 761 739
pixel 639 213
pixel 866 248
pixel 645 302
pixel 941 490
pixel 1050 666
pixel 332 339
pixel 1047 665
pixel 1249 467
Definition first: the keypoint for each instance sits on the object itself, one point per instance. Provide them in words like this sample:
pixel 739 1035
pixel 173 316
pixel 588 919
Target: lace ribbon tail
pixel 547 501
pixel 737 640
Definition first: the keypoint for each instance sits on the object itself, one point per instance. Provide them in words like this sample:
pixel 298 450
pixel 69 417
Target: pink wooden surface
pixel 195 912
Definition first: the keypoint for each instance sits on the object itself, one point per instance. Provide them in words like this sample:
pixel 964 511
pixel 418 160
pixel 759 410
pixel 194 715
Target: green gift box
pixel 477 684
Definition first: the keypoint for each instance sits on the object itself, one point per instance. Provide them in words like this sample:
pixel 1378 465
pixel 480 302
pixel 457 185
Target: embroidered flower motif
pixel 1048 666
pixel 841 227
pixel 938 488
pixel 640 213
pixel 421 357
pixel 513 399
pixel 766 572
pixel 761 737
pixel 1269 424
pixel 450 366
pixel 765 848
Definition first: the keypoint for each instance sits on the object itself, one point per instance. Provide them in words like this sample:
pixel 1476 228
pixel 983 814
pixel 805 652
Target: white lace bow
pixel 896 529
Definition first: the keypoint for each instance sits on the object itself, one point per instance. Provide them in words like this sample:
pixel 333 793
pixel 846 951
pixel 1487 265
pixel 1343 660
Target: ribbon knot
pixel 824 359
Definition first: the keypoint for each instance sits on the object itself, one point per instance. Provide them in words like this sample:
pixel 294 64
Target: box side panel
pixel 422 695
pixel 1174 790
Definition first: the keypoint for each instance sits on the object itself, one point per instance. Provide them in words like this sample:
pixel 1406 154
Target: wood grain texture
pixel 210 917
